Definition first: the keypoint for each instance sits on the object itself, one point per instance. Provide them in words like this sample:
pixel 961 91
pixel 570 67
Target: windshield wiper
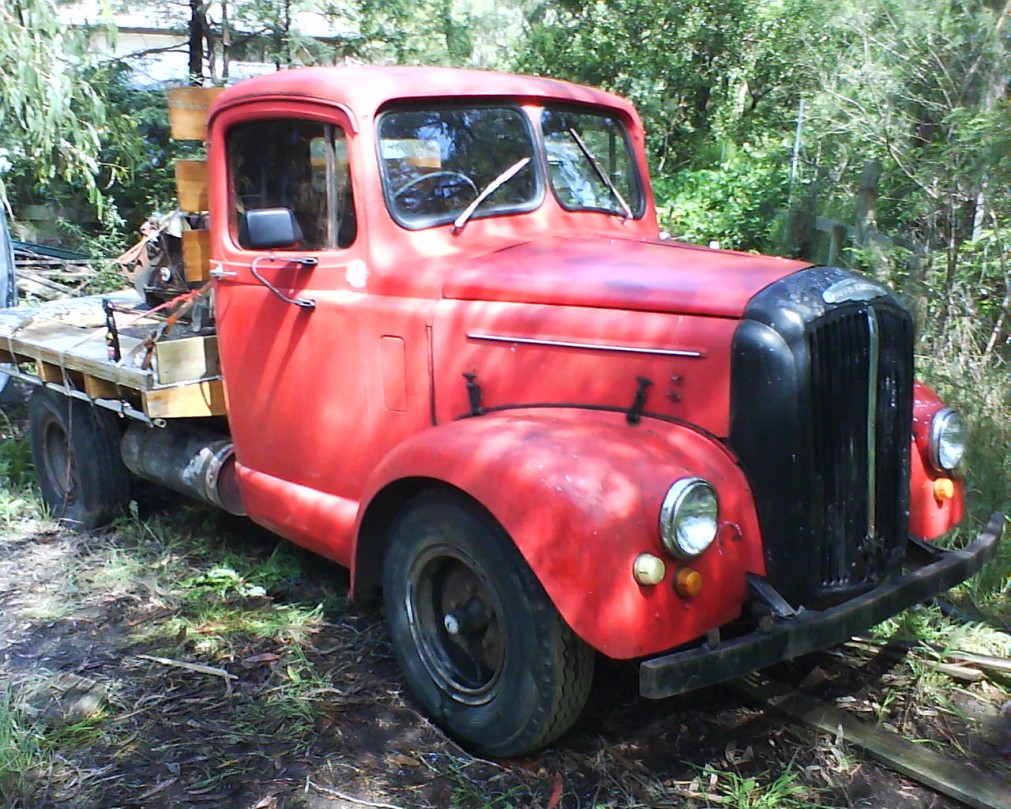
pixel 601 173
pixel 488 190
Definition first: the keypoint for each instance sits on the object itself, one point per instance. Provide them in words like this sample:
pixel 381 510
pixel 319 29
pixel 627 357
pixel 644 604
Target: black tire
pixel 514 677
pixel 75 449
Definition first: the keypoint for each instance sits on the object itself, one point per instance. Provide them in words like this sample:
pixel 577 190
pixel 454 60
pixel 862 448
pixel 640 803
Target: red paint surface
pixel 929 517
pixel 326 407
pixel 580 494
pixel 620 274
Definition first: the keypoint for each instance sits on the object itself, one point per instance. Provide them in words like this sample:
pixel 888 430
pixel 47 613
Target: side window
pixel 294 164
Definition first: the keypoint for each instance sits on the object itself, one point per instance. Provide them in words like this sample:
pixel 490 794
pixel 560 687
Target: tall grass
pixel 976 384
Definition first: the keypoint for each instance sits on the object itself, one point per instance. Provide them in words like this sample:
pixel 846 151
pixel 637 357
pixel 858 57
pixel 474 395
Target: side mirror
pixel 265 228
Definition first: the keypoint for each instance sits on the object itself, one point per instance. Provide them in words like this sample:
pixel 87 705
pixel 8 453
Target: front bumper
pixel 809 631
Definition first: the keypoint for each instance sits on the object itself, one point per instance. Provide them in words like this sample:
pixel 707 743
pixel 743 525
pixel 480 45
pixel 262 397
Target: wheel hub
pixel 456 626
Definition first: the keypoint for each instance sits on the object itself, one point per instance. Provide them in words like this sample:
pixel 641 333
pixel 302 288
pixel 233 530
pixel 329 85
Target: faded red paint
pixel 328 407
pixel 929 516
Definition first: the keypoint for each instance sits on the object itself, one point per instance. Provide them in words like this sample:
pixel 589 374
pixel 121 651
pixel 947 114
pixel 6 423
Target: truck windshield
pixel 435 162
pixel 576 140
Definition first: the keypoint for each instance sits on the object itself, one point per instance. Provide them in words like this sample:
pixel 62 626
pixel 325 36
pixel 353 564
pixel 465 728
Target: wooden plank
pixel 188 108
pixel 49 373
pixel 191 185
pixel 188 359
pixel 53 347
pixel 205 398
pixel 6 356
pixel 197 255
pixel 100 388
pixel 971 786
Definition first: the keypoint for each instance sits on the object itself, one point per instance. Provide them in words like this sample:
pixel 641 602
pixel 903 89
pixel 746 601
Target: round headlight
pixel 947 440
pixel 689 517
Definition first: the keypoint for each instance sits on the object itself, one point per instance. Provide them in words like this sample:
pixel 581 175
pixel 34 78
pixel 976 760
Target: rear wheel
pixel 480 644
pixel 75 449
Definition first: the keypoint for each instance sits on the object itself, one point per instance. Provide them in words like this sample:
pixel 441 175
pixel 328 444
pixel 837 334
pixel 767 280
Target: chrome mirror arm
pixel 307 261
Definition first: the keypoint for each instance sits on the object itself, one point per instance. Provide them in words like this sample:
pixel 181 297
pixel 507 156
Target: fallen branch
pixel 971 675
pixel 327 792
pixel 197 667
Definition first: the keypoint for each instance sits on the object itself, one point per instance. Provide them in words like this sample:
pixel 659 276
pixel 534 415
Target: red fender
pixel 580 494
pixel 930 516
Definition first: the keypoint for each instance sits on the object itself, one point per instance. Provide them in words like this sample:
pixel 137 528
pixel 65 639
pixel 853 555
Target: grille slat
pixel 842 362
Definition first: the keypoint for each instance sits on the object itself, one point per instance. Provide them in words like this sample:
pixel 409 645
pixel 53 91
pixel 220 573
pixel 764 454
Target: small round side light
pixel 648 569
pixel 687 582
pixel 944 489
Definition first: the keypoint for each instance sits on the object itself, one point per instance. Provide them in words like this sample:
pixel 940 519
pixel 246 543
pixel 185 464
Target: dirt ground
pixel 132 707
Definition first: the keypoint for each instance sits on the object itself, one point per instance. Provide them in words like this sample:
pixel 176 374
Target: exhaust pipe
pixel 196 462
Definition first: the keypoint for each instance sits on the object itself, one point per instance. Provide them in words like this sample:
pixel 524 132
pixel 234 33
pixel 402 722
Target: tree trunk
pixel 197 34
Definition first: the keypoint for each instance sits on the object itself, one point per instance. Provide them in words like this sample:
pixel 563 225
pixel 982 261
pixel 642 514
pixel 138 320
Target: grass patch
pixel 20 752
pixel 729 788
pixel 19 502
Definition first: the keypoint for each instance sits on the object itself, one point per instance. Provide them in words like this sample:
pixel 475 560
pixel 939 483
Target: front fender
pixel 930 516
pixel 580 493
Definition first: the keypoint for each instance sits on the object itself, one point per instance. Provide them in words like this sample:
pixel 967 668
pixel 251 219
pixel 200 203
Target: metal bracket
pixel 634 415
pixel 766 600
pixel 474 394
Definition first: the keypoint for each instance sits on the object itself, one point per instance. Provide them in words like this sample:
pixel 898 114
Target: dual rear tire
pixel 75 450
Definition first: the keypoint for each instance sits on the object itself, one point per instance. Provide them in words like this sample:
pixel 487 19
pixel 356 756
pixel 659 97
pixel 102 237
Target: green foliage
pixel 738 201
pixel 758 792
pixel 16 468
pixel 54 116
pixel 699 72
pixel 463 33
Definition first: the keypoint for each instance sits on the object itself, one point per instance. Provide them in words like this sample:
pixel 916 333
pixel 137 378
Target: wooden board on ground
pixel 953 778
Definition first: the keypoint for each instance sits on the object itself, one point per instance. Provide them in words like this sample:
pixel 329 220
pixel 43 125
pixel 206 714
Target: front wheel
pixel 480 644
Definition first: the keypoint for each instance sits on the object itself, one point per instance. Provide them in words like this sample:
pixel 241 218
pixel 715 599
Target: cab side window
pixel 298 165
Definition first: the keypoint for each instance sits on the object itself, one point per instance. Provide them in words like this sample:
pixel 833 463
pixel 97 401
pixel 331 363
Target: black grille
pixel 810 371
pixel 859 508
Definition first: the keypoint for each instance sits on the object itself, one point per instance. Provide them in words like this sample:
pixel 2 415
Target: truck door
pixel 287 316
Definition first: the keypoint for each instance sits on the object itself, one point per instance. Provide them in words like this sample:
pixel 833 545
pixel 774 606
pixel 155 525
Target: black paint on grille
pixel 800 383
pixel 858 548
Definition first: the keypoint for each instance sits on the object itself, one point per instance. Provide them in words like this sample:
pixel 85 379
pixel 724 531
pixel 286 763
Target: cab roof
pixel 365 89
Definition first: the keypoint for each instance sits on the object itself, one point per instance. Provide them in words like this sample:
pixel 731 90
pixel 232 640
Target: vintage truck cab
pixel 459 359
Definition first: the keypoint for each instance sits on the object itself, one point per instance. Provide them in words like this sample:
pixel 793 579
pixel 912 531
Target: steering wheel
pixel 434 176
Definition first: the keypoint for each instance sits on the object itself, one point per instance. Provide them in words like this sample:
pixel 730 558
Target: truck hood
pixel 619 274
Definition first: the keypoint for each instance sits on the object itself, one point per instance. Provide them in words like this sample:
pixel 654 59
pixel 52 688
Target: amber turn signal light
pixel 687 582
pixel 944 488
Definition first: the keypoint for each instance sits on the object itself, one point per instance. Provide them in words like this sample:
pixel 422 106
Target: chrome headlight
pixel 947 440
pixel 689 517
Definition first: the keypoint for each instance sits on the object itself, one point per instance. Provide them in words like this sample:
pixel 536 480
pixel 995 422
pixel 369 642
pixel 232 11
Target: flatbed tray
pixel 62 344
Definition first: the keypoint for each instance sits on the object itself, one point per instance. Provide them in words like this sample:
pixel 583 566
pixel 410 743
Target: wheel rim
pixel 455 617
pixel 60 466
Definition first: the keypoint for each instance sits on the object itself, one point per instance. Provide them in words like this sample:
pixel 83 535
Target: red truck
pixel 458 359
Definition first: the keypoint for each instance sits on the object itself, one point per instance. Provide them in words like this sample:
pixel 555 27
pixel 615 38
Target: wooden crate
pixel 197 255
pixel 188 108
pixel 191 185
pixel 187 359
